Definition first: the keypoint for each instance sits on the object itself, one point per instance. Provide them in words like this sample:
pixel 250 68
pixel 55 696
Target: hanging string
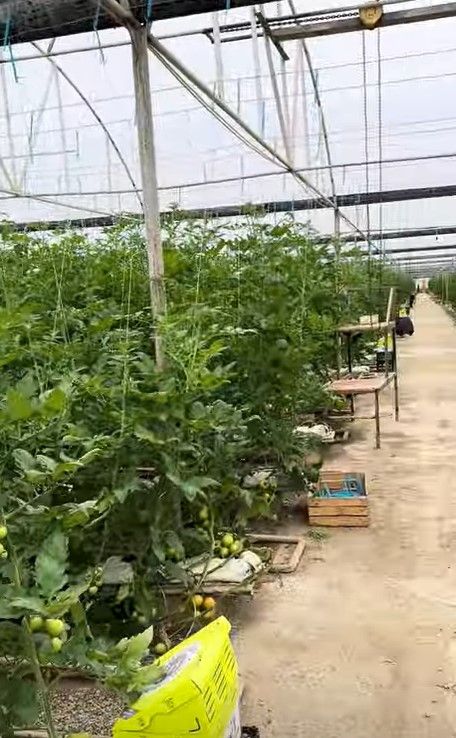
pixel 95 28
pixel 7 42
pixel 149 11
pixel 263 117
pixel 367 180
pixel 380 150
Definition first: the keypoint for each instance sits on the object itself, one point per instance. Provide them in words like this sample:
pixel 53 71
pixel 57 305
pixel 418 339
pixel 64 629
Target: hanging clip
pixel 149 11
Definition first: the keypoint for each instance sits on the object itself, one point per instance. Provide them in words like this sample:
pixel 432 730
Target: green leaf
pixel 144 677
pixel 195 485
pixel 46 462
pixel 55 400
pixel 198 410
pixel 123 491
pixel 27 604
pixel 7 611
pixel 65 600
pixel 19 701
pixel 65 467
pixel 72 515
pixel 116 571
pixel 51 564
pixel 23 459
pixel 87 458
pixel 18 406
pixel 146 435
pixel 11 639
pixel 137 647
pixel 35 477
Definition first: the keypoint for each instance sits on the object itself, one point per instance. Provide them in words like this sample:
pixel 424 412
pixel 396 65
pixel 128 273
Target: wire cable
pixel 367 173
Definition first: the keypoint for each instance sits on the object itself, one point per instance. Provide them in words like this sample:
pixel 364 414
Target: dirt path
pixel 357 642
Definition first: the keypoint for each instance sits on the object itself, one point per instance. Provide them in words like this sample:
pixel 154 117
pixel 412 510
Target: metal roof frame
pixel 32 20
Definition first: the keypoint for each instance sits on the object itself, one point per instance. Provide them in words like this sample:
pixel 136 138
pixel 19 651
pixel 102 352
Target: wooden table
pixel 385 328
pixel 368 386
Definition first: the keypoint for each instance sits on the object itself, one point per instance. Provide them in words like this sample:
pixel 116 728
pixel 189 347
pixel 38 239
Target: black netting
pixel 30 20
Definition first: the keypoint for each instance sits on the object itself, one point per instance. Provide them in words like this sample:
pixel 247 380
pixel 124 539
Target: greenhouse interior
pixel 227 312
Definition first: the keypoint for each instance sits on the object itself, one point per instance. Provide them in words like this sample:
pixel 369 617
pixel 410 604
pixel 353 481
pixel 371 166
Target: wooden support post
pixel 337 285
pixel 144 125
pixel 389 308
pixel 386 336
pixel 377 421
pixel 396 378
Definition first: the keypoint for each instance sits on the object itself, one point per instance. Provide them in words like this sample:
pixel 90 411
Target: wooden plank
pixel 316 502
pixel 317 512
pixel 328 476
pixel 361 386
pixel 365 327
pixel 389 308
pixel 341 521
pixel 287 567
pixel 147 160
pixel 271 538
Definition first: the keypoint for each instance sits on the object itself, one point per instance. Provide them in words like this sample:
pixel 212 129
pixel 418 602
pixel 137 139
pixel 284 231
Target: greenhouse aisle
pixel 361 641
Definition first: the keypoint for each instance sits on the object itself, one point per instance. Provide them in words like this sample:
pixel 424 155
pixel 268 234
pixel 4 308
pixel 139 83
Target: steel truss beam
pixel 386 235
pixel 351 23
pixel 415 249
pixel 287 206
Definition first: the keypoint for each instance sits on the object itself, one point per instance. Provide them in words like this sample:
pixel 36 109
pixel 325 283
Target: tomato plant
pixel 101 455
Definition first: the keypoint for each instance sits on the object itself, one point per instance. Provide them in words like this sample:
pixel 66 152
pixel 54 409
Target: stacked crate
pixel 340 500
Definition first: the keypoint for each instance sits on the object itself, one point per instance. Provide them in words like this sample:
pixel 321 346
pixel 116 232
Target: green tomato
pixel 224 552
pixel 36 623
pixel 160 649
pixel 235 548
pixel 227 540
pixel 54 628
pixel 93 590
pixel 142 620
pixel 3 532
pixel 203 513
pixel 56 645
pixel 172 554
pixel 2 548
pixel 4 555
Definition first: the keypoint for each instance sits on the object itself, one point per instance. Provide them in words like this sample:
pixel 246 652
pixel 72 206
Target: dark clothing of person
pixel 412 299
pixel 404 327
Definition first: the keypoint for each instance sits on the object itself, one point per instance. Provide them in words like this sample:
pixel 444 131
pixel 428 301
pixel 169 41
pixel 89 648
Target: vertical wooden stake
pixel 337 284
pixel 144 125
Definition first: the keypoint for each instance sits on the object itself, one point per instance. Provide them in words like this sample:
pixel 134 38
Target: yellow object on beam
pixel 370 15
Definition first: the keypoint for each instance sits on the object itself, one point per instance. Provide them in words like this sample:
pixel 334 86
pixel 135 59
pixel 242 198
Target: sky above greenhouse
pixel 51 142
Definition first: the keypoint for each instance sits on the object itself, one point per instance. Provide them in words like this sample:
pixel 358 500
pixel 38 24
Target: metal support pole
pixel 278 101
pixel 257 68
pixel 144 124
pixel 219 89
